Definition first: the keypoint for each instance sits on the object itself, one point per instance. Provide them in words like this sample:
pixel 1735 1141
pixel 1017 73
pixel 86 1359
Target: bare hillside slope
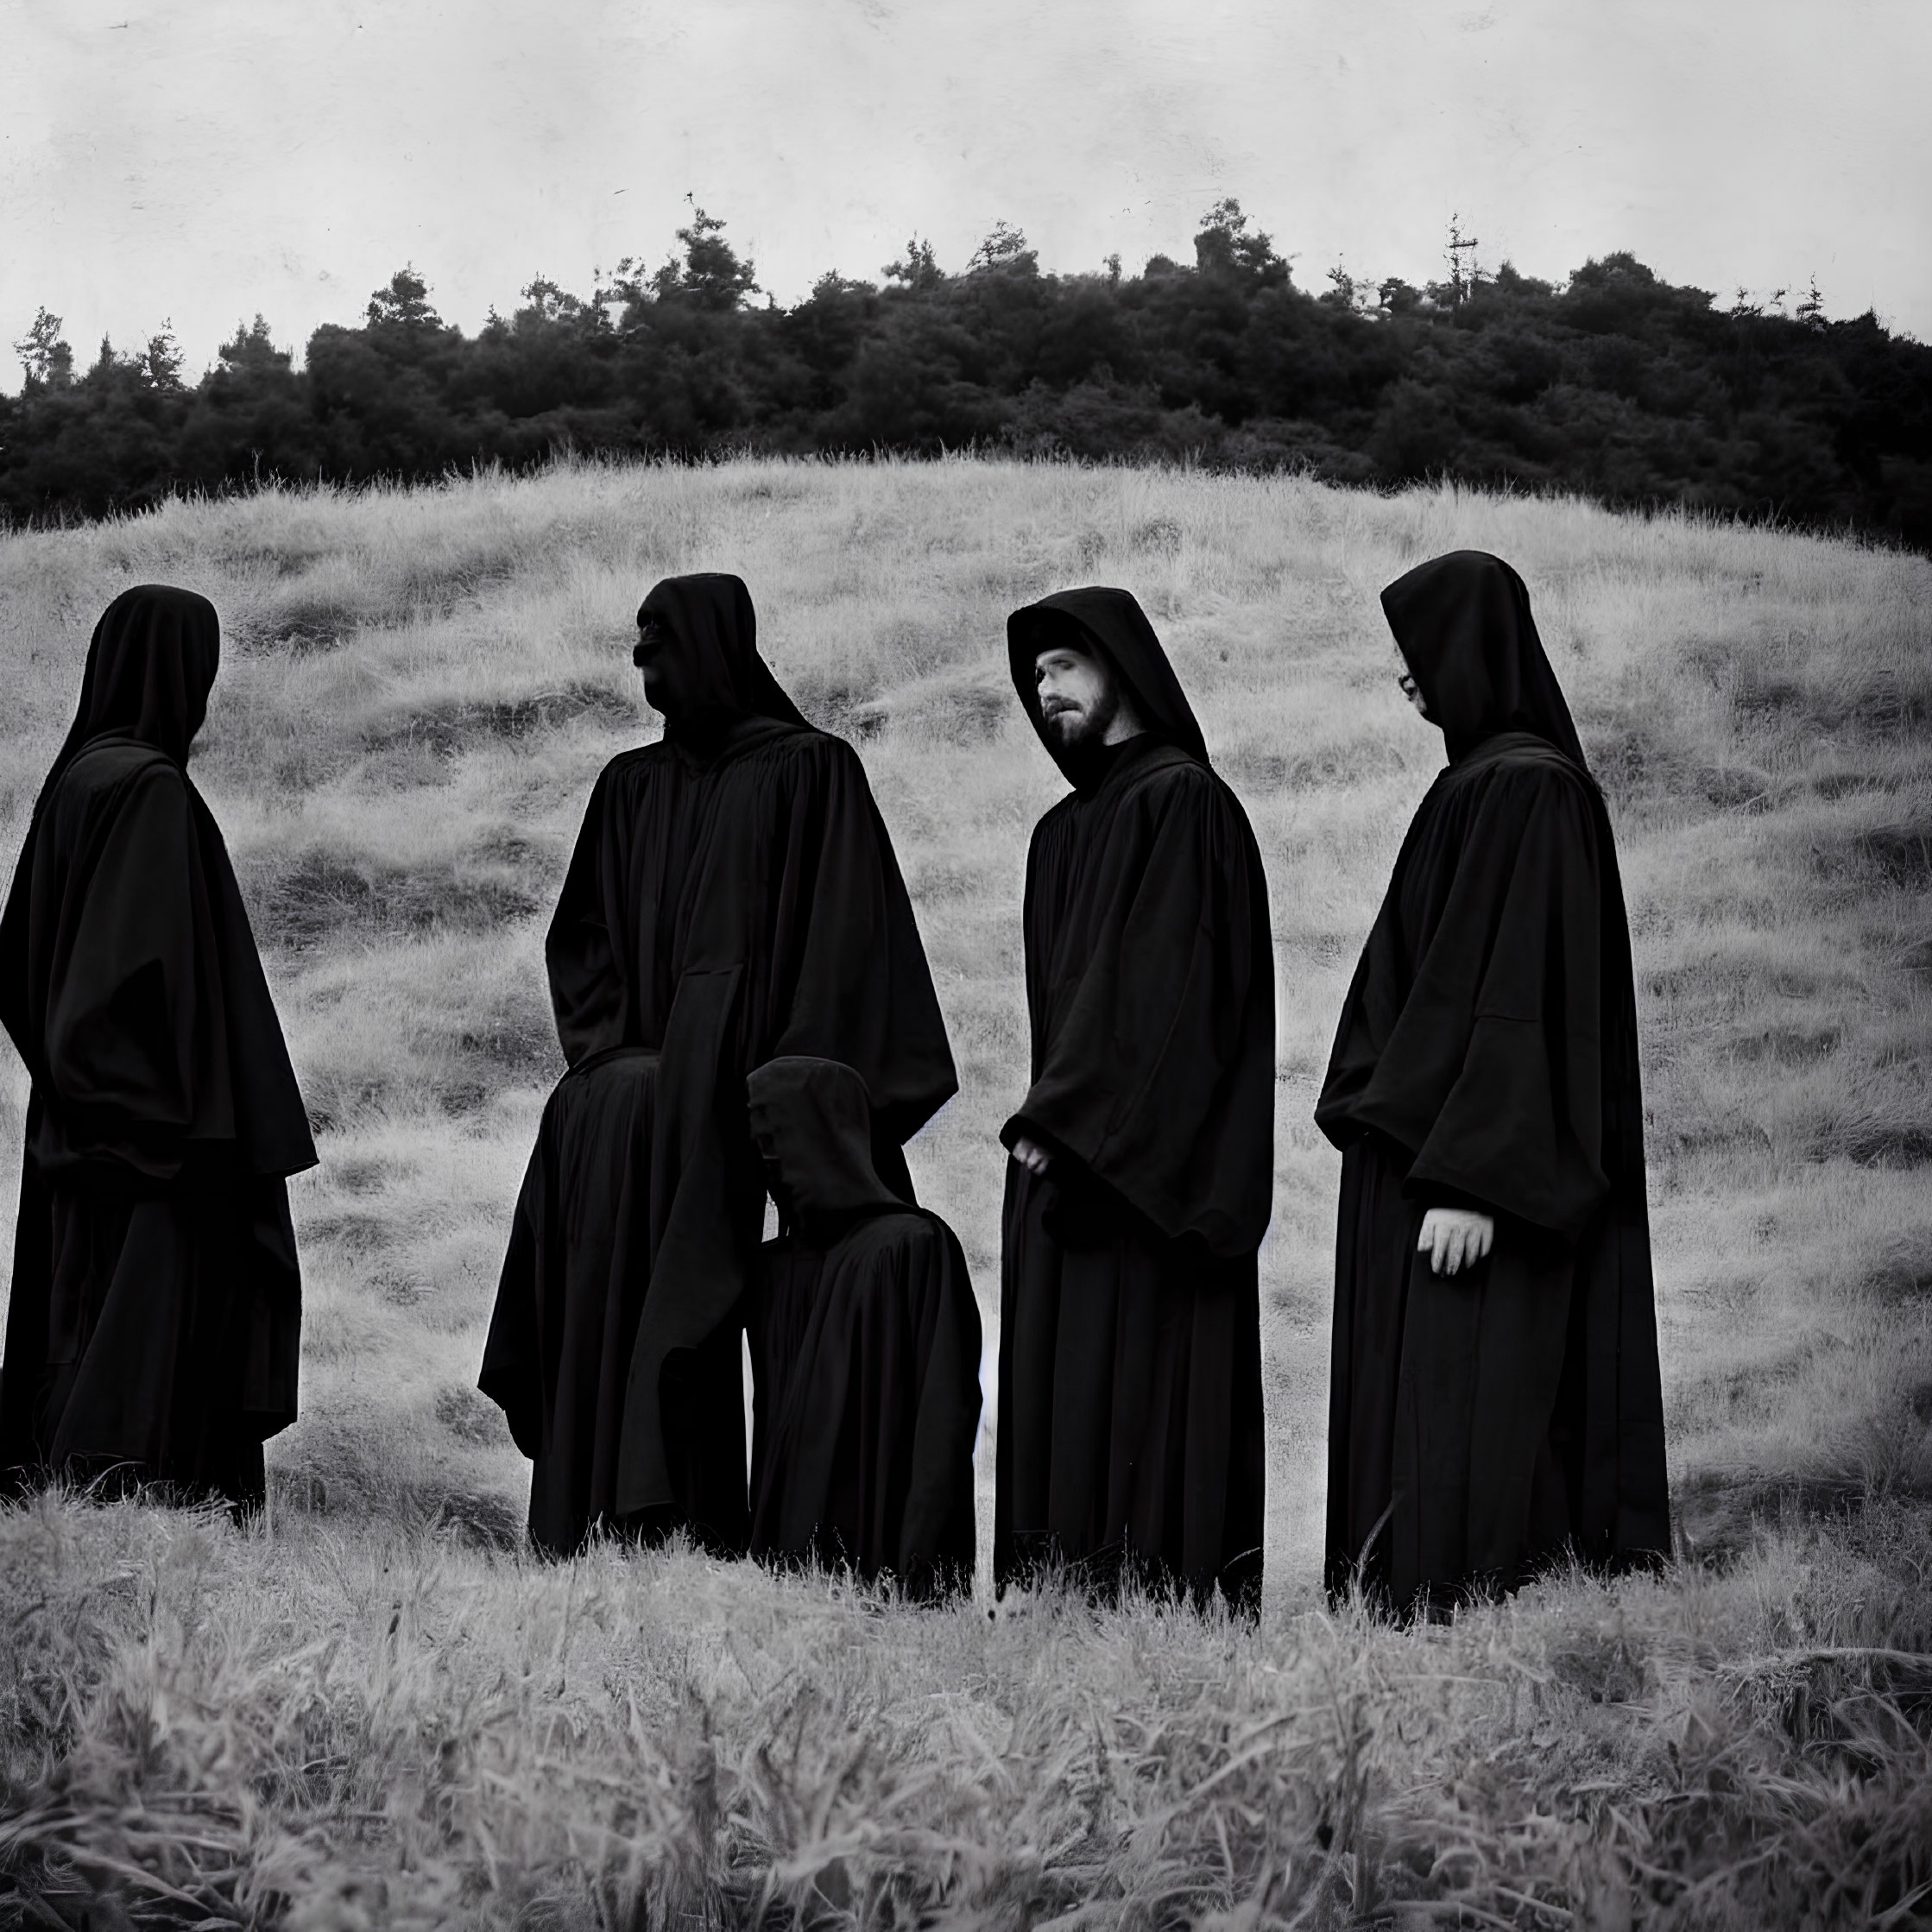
pixel 373 1703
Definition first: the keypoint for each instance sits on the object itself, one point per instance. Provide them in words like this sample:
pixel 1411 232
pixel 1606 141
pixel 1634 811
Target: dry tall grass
pixel 370 1709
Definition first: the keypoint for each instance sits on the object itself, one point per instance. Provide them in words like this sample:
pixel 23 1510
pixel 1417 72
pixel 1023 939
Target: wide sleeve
pixel 262 1099
pixel 1520 1126
pixel 120 1025
pixel 581 952
pixel 850 978
pixel 1158 1072
pixel 513 1368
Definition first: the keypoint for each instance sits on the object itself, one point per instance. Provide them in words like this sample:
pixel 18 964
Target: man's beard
pixel 1077 731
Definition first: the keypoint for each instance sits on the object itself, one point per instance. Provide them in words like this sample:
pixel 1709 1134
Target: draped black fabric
pixel 865 1344
pixel 733 896
pixel 1130 1405
pixel 153 1327
pixel 1487 1058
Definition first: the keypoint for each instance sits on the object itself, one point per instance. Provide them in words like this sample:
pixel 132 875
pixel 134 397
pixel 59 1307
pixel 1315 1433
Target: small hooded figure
pixel 865 1344
pixel 1495 1398
pixel 154 1327
pixel 733 896
pixel 1130 1421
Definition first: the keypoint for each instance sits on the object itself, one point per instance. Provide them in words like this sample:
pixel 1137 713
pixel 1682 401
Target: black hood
pixel 715 631
pixel 1462 622
pixel 1109 625
pixel 150 666
pixel 812 1121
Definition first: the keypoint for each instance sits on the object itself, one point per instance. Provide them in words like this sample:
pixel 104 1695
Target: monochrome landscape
pixel 371 1708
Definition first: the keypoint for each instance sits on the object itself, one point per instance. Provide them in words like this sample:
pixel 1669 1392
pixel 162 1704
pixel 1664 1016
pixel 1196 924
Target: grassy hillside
pixel 371 1710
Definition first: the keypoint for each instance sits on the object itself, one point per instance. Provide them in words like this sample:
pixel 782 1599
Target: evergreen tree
pixel 1225 248
pixel 710 275
pixel 919 270
pixel 45 354
pixel 403 304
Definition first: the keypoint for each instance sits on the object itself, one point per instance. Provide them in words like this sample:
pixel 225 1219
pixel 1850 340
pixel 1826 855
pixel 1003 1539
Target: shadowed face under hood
pixel 1462 622
pixel 1111 626
pixel 812 1121
pixel 150 667
pixel 714 666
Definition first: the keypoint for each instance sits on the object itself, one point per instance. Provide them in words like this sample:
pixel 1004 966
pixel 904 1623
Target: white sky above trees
pixel 205 159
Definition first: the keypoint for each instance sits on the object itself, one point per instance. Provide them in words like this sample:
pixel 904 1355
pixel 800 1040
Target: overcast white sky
pixel 201 159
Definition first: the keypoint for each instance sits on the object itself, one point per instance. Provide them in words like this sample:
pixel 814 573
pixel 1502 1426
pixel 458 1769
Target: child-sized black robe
pixel 1480 1423
pixel 733 895
pixel 153 1329
pixel 1130 1431
pixel 865 1345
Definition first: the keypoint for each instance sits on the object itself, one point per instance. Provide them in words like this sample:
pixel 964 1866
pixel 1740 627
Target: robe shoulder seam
pixel 1188 776
pixel 810 745
pixel 138 764
pixel 1528 772
pixel 655 754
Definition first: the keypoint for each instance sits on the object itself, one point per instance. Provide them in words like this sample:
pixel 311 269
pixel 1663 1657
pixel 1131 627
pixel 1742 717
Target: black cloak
pixel 1487 1058
pixel 865 1346
pixel 156 1303
pixel 1130 1422
pixel 733 896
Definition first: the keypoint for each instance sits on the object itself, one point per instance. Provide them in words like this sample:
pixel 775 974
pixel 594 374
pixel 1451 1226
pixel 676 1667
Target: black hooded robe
pixel 865 1344
pixel 733 896
pixel 153 1330
pixel 1487 1058
pixel 1130 1424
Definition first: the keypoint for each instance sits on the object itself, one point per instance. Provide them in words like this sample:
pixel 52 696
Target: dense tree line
pixel 1618 384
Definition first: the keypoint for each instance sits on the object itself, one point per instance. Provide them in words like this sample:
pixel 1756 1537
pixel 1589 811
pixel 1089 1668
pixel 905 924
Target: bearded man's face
pixel 1079 699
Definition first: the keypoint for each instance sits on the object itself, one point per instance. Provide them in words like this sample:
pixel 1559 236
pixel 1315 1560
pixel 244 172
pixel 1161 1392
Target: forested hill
pixel 1617 385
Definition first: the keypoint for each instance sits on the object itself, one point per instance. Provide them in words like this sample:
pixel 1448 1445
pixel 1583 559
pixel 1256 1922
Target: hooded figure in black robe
pixel 1484 1419
pixel 865 1349
pixel 733 897
pixel 1130 1425
pixel 153 1330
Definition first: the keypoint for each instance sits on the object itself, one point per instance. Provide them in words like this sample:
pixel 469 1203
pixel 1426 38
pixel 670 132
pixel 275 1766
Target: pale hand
pixel 1452 1237
pixel 1031 1155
